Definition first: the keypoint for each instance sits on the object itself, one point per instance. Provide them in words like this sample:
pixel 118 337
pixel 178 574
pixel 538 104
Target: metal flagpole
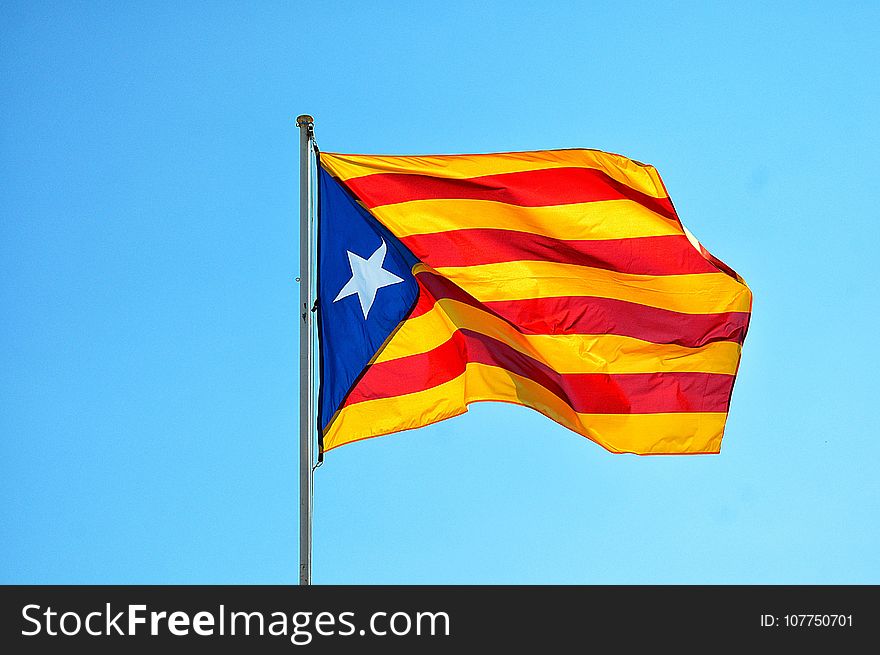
pixel 306 421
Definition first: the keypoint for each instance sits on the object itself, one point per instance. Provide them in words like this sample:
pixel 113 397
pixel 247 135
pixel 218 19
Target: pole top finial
pixel 304 120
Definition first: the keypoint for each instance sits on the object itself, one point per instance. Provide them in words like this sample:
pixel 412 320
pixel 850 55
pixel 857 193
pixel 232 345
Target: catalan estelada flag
pixel 561 280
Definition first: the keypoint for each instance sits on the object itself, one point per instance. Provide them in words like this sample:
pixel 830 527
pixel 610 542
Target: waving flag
pixel 559 280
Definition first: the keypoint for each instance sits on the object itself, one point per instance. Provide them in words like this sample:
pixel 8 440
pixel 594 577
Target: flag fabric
pixel 561 280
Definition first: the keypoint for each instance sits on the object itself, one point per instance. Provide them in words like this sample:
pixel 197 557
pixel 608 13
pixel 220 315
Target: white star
pixel 367 277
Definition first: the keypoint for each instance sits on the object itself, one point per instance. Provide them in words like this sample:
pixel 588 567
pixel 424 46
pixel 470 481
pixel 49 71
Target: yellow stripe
pixel 630 433
pixel 564 353
pixel 604 219
pixel 695 293
pixel 641 177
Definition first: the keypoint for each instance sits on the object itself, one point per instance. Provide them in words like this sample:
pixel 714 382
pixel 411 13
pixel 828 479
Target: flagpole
pixel 306 421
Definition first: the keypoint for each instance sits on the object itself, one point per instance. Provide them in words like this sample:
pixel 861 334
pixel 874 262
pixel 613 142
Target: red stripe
pixel 589 315
pixel 547 186
pixel 601 393
pixel 658 255
pixel 720 264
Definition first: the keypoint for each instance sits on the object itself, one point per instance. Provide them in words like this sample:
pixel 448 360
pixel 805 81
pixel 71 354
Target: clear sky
pixel 148 249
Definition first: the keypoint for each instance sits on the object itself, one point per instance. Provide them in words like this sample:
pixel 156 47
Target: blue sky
pixel 148 245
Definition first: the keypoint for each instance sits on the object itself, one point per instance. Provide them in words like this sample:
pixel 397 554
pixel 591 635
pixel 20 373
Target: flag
pixel 561 280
